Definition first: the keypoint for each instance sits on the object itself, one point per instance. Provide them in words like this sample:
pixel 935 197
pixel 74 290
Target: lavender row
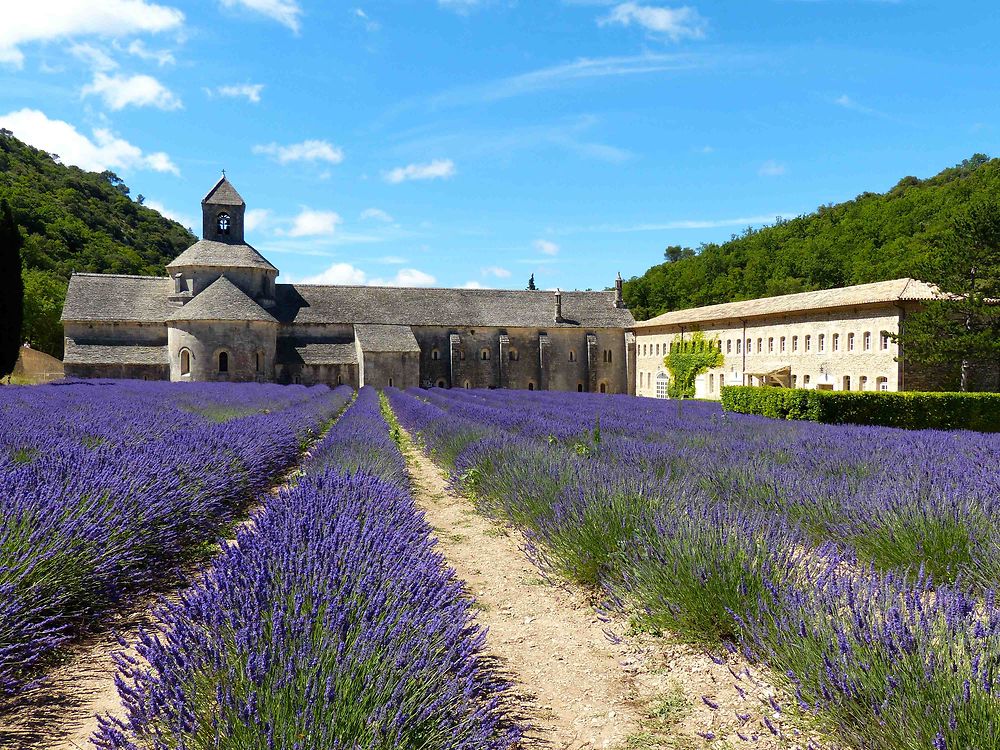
pixel 690 532
pixel 103 488
pixel 331 623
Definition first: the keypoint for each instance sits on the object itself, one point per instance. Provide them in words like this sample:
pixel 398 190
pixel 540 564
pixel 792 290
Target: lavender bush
pixel 105 486
pixel 331 623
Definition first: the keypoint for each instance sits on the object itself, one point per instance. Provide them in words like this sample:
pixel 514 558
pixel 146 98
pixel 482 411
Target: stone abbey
pixel 221 315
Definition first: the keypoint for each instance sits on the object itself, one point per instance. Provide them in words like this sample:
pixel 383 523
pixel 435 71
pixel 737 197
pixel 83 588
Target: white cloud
pixel 161 57
pixel 370 24
pixel 285 12
pixel 377 214
pixel 48 20
pixel 406 277
pixel 312 150
pixel 249 91
pixel 310 223
pixel 120 91
pixel 460 6
pixel 473 285
pixel 437 169
pixel 338 274
pixel 185 221
pixel 500 273
pixel 547 247
pixel 94 57
pixel 104 151
pixel 347 274
pixel 256 218
pixel 675 23
pixel 771 168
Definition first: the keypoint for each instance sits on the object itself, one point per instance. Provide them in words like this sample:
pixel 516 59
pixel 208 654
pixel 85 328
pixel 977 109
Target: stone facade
pixel 221 315
pixel 835 339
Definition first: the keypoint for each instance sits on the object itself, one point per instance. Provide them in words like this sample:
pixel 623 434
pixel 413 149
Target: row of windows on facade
pixel 513 355
pixel 222 362
pixel 821 341
pixel 646 381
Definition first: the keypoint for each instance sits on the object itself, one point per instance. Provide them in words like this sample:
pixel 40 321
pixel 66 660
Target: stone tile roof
pixel 108 297
pixel 505 308
pixel 220 254
pixel 224 194
pixel 113 354
pixel 385 338
pixel 880 292
pixel 222 300
pixel 291 352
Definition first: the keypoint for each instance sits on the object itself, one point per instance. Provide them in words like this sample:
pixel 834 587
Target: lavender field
pixel 859 563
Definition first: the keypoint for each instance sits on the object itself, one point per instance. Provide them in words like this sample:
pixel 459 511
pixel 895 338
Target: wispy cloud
pixel 366 20
pixel 285 12
pixel 93 57
pixel 461 6
pixel 311 223
pixel 27 22
pixel 496 271
pixel 351 275
pixel 434 170
pixel 256 218
pixel 119 91
pixel 772 168
pixel 546 247
pixel 249 91
pixel 161 57
pixel 182 219
pixel 852 104
pixel 309 151
pixel 376 214
pixel 741 221
pixel 673 23
pixel 103 151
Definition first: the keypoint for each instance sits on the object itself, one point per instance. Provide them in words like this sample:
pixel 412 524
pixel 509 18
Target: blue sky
pixel 474 142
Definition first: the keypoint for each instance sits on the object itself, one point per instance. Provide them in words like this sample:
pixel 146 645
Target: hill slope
pixel 74 220
pixel 874 237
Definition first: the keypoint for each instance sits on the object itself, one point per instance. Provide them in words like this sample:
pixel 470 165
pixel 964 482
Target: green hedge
pixel 914 411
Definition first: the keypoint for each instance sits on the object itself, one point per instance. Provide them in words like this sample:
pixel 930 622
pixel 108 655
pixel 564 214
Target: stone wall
pixel 385 369
pixel 137 334
pixel 250 347
pixel 119 371
pixel 817 363
pixel 331 375
pixel 255 282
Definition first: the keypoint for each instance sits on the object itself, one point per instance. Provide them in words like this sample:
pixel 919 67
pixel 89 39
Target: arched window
pixel 435 354
pixel 610 355
pixel 822 342
pixel 340 380
pixel 808 343
pixel 770 345
pixel 604 387
pixel 259 361
pixel 739 346
pixel 572 355
pixel 782 344
pixel 440 384
pixel 513 355
pixel 850 342
pixel 185 362
pixel 390 382
pixel 531 386
pixel 661 384
pixel 579 387
pixel 468 385
pixel 805 380
pixel 836 342
pixel 711 382
pixel 795 343
pixel 760 346
pixel 847 382
pixel 729 346
pixel 867 339
pixel 882 383
pixel 222 221
pixel 863 383
pixel 223 362
pixel 484 354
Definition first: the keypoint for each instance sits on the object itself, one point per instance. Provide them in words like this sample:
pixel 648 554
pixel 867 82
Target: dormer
pixel 222 212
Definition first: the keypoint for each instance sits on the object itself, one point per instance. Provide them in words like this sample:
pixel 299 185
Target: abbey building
pixel 221 315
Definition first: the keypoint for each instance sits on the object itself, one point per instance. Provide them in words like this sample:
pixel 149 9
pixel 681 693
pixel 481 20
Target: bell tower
pixel 222 212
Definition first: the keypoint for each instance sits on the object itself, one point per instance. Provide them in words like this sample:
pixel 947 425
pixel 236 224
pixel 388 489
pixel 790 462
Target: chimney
pixel 178 283
pixel 619 299
pixel 559 317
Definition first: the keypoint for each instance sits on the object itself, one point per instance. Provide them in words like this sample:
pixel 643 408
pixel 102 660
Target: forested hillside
pixel 871 238
pixel 73 220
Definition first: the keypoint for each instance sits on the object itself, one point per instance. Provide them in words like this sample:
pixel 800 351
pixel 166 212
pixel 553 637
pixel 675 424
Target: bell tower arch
pixel 222 213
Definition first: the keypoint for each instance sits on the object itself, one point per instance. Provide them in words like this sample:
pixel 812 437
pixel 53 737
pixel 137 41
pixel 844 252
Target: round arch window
pixel 223 223
pixel 185 362
pixel 223 361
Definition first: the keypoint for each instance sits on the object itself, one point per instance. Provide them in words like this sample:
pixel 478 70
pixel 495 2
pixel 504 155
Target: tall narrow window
pixel 531 386
pixel 185 362
pixel 435 354
pixel 610 356
pixel 729 346
pixel 770 345
pixel 822 342
pixel 795 343
pixel 850 342
pixel 223 362
pixel 484 354
pixel 760 346
pixel 884 341
pixel 867 341
pixel 579 387
pixel 782 344
pixel 513 355
pixel 258 361
pixel 604 387
pixel 390 382
pixel 808 343
pixel 836 342
pixel 739 346
pixel 847 382
pixel 223 223
pixel 572 355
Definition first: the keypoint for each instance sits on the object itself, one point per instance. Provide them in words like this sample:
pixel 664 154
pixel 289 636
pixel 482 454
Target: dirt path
pixel 580 688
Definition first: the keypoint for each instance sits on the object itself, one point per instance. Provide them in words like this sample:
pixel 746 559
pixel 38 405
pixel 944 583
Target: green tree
pixel 531 283
pixel 688 359
pixel 963 328
pixel 11 290
pixel 44 295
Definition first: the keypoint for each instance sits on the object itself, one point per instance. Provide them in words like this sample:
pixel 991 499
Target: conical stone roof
pixel 224 194
pixel 222 300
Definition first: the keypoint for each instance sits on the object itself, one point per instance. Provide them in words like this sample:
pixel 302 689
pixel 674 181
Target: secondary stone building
pixel 835 339
pixel 220 315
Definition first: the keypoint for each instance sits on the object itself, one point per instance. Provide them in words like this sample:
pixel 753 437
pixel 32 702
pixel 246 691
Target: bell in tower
pixel 222 212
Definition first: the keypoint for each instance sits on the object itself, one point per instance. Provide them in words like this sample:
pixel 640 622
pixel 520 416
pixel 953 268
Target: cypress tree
pixel 11 290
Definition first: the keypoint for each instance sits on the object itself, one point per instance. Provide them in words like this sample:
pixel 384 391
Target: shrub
pixel 914 411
